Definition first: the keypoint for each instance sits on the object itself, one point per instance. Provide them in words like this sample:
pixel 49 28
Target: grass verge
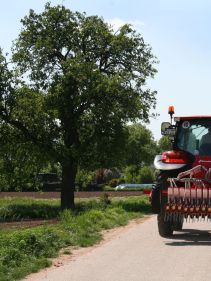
pixel 28 250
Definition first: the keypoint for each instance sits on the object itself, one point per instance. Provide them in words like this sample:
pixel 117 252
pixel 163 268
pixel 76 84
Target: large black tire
pixel 155 199
pixel 165 228
pixel 178 225
pixel 160 184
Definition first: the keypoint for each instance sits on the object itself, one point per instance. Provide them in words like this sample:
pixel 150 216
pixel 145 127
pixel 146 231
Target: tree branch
pixel 28 135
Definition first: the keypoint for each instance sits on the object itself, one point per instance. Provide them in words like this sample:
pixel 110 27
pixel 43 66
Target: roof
pixel 178 118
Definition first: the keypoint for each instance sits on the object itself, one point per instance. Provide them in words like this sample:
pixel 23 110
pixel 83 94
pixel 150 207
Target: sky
pixel 179 32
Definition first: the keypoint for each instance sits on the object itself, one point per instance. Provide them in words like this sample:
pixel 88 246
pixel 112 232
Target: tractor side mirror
pixel 167 129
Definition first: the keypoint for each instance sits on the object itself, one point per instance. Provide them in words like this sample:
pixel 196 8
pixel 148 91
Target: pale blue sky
pixel 179 32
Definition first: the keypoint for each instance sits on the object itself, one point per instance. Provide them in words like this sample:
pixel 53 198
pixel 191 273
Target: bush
pixel 108 188
pixel 105 175
pixel 130 174
pixel 146 175
pixel 113 182
pixel 133 174
pixel 84 180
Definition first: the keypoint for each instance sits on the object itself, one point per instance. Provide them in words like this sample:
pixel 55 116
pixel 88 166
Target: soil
pixel 26 223
pixel 46 195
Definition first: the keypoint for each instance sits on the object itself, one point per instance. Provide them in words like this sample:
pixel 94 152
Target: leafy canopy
pixel 140 146
pixel 79 84
pixel 93 79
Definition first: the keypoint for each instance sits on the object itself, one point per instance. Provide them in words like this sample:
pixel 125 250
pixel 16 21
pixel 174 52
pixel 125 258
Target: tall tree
pixel 163 144
pixel 141 146
pixel 87 82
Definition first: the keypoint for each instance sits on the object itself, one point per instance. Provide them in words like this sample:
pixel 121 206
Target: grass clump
pixel 12 209
pixel 28 250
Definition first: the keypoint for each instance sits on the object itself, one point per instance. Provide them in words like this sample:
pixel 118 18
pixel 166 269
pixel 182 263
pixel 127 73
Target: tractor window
pixel 195 137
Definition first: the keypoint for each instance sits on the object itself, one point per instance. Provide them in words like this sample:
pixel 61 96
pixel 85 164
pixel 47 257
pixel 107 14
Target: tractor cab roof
pixel 180 118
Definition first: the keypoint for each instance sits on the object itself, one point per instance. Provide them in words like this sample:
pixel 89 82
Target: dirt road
pixel 138 253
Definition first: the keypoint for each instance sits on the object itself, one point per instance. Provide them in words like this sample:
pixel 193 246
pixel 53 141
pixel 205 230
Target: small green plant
pixel 105 200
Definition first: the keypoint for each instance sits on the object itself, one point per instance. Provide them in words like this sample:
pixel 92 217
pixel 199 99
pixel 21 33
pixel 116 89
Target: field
pixel 80 194
pixel 28 248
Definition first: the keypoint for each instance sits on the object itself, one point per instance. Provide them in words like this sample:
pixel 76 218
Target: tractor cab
pixel 190 134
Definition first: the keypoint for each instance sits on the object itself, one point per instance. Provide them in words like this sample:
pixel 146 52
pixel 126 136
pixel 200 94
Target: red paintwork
pixel 165 192
pixel 147 191
pixel 175 157
pixel 199 160
pixel 205 161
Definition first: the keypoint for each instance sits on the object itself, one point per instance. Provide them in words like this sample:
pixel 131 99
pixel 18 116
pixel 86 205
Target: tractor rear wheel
pixel 155 200
pixel 165 228
pixel 178 225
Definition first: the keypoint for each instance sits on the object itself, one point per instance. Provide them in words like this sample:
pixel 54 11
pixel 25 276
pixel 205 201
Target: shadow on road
pixel 190 237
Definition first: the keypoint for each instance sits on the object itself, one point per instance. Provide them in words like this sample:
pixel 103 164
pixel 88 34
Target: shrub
pixel 146 175
pixel 84 179
pixel 113 182
pixel 108 188
pixel 105 200
pixel 130 174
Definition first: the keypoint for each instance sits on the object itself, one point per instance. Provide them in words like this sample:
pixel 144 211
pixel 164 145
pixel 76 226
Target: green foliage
pixel 19 167
pixel 22 252
pixel 105 200
pixel 134 174
pixel 83 179
pixel 108 188
pixel 25 208
pixel 20 160
pixel 84 83
pixel 146 175
pixel 132 204
pixel 26 251
pixel 164 144
pixel 113 182
pixel 140 146
pixel 130 174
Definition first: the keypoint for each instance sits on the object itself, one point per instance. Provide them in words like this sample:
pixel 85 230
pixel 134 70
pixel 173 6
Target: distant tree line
pixel 21 164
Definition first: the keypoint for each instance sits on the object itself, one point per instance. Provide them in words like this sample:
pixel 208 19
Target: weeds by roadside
pixel 13 209
pixel 28 250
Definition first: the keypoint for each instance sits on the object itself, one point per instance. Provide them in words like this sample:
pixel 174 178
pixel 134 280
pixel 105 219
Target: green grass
pixel 28 208
pixel 28 250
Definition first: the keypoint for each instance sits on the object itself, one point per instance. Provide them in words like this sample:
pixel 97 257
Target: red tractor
pixel 183 187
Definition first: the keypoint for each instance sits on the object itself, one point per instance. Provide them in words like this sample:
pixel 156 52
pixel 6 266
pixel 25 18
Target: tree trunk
pixel 68 186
